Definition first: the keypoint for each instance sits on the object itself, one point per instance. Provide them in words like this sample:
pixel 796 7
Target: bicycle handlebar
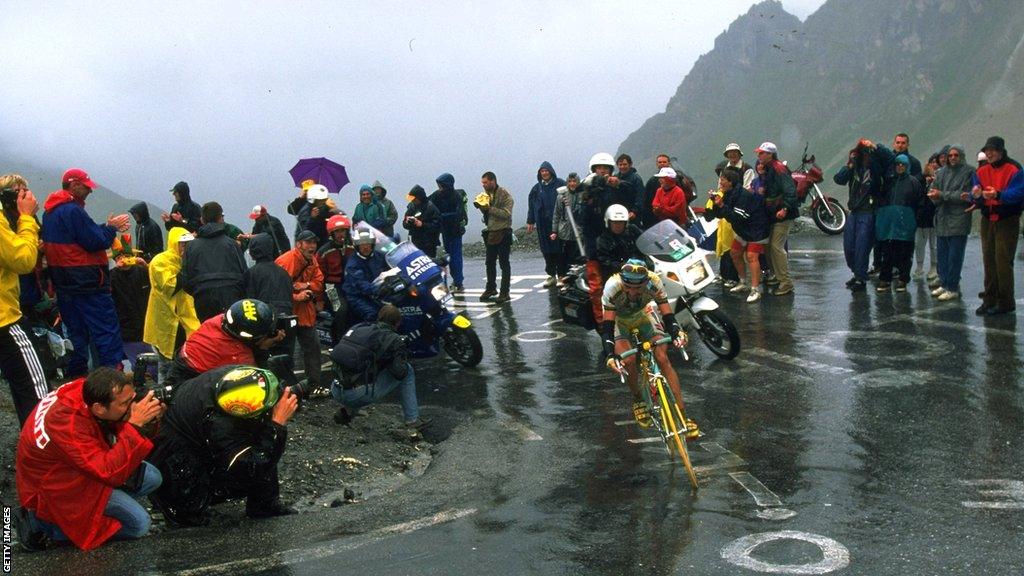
pixel 632 351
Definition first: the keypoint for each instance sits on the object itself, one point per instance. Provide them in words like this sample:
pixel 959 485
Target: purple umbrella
pixel 327 173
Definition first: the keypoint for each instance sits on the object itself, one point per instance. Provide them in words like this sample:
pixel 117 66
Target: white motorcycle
pixel 685 271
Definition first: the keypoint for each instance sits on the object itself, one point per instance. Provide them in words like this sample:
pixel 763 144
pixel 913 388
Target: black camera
pixel 144 385
pixel 282 367
pixel 286 322
pixel 9 199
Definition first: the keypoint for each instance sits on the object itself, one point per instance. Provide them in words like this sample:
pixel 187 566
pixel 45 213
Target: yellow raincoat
pixel 725 234
pixel 167 308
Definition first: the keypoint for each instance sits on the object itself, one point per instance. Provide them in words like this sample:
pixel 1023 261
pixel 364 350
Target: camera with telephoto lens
pixel 282 367
pixel 9 199
pixel 144 385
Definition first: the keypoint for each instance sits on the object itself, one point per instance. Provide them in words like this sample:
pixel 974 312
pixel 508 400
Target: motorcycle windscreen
pixel 666 241
pixel 413 264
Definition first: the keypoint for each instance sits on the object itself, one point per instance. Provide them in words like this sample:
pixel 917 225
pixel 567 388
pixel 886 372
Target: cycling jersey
pixel 635 311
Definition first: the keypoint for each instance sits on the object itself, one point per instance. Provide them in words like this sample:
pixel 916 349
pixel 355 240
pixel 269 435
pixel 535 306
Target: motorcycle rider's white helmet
pixel 316 192
pixel 615 213
pixel 602 159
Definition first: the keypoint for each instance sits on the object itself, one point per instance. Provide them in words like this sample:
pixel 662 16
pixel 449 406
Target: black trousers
pixel 499 254
pixel 726 267
pixel 897 254
pixel 213 301
pixel 565 258
pixel 21 365
pixel 309 342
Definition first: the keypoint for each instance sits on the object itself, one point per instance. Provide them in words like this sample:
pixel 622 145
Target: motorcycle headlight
pixel 673 277
pixel 696 272
pixel 439 292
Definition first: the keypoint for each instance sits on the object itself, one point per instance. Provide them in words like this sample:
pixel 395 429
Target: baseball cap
pixel 257 211
pixel 666 172
pixel 982 157
pixel 307 236
pixel 767 147
pixel 186 237
pixel 78 175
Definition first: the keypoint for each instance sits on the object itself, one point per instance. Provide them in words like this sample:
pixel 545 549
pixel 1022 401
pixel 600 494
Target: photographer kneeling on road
pixel 79 463
pixel 237 336
pixel 222 438
pixel 372 360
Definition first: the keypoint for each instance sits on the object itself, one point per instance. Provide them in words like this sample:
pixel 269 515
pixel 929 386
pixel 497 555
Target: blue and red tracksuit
pixel 75 249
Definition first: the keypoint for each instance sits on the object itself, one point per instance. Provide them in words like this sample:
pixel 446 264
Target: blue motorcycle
pixel 418 285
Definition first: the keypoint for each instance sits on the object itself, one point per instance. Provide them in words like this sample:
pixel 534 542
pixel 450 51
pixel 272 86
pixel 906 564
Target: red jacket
pixel 210 347
pixel 670 204
pixel 301 272
pixel 66 469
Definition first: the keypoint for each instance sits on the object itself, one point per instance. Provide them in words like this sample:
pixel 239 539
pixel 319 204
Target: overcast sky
pixel 227 96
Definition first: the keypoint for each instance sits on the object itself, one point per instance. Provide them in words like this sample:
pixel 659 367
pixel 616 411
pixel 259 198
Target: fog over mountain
pixel 228 95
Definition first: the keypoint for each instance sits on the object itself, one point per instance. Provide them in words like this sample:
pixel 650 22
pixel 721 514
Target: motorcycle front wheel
pixel 833 223
pixel 718 333
pixel 463 345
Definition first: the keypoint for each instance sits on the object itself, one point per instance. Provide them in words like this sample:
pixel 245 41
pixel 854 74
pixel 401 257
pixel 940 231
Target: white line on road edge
pixel 300 555
pixel 835 556
pixel 729 460
pixel 762 495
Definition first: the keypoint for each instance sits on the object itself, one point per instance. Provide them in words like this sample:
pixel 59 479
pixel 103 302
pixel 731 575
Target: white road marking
pixel 835 556
pixel 522 430
pixel 548 335
pixel 1011 491
pixel 964 326
pixel 552 322
pixel 714 448
pixel 762 495
pixel 729 460
pixel 644 440
pixel 798 362
pixel 625 422
pixel 300 555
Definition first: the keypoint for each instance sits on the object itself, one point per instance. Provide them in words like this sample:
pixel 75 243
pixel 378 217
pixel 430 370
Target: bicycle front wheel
pixel 672 434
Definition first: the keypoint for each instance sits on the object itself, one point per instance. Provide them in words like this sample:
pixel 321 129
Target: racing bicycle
pixel 665 412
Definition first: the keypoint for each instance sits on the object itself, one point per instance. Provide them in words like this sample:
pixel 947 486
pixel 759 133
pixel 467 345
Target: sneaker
pixel 938 292
pixel 934 283
pixel 692 431
pixel 729 283
pixel 858 286
pixel 487 295
pixel 754 296
pixel 551 281
pixel 503 298
pixel 270 511
pixel 851 281
pixel 772 280
pixel 918 274
pixel 782 290
pixel 947 295
pixel 882 287
pixel 901 286
pixel 739 287
pixel 457 288
pixel 29 539
pixel 933 276
pixel 643 417
pixel 872 272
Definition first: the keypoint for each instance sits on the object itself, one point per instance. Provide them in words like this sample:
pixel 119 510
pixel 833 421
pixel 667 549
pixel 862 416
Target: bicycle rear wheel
pixel 672 434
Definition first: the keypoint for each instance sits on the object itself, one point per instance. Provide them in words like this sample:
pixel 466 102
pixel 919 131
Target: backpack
pixel 688 186
pixel 355 353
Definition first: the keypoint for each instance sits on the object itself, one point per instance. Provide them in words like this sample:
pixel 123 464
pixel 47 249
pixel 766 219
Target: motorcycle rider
pixel 617 243
pixel 222 438
pixel 332 258
pixel 360 271
pixel 626 301
pixel 597 193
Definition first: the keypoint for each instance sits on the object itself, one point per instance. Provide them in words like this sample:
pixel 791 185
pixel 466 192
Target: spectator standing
pixel 369 210
pixel 950 194
pixel 646 214
pixel 423 221
pixel 781 202
pixel 540 216
pixel 332 258
pixel 495 204
pixel 213 266
pixel 170 312
pixel 390 212
pixel 263 222
pixel 734 159
pixel 745 213
pixel 864 173
pixel 185 212
pixel 896 226
pixel 80 463
pixel 633 189
pixel 76 253
pixel 307 285
pixel 149 240
pixel 19 360
pixel 998 190
pixel 130 288
pixel 670 200
pixel 451 203
pixel 562 231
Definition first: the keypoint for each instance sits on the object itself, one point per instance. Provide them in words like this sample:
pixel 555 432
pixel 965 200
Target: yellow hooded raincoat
pixel 168 309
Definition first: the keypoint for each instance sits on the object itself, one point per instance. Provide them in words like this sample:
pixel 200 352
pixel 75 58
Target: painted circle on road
pixel 539 335
pixel 835 556
pixel 882 346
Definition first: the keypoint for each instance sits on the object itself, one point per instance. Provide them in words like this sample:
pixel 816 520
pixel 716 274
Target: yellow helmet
pixel 247 392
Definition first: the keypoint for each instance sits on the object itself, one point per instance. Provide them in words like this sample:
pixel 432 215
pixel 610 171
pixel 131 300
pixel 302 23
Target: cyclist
pixel 627 307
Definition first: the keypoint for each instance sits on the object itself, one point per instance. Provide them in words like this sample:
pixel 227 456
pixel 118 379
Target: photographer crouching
pixel 222 438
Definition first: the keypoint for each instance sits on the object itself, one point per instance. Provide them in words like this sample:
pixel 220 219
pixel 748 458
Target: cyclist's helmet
pixel 602 159
pixel 248 320
pixel 247 392
pixel 634 272
pixel 615 213
pixel 337 222
pixel 360 237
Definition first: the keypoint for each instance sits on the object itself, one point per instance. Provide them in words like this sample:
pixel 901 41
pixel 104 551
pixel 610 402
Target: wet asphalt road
pixel 854 434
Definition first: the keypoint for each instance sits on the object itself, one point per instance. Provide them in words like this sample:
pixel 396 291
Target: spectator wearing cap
pixel 390 212
pixel 170 312
pixel 149 240
pixel 734 159
pixel 998 190
pixel 783 207
pixel 307 285
pixel 644 203
pixel 982 159
pixel 670 200
pixel 263 222
pixel 368 209
pixel 76 253
pixel 185 212
pixel 423 221
pixel 213 266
